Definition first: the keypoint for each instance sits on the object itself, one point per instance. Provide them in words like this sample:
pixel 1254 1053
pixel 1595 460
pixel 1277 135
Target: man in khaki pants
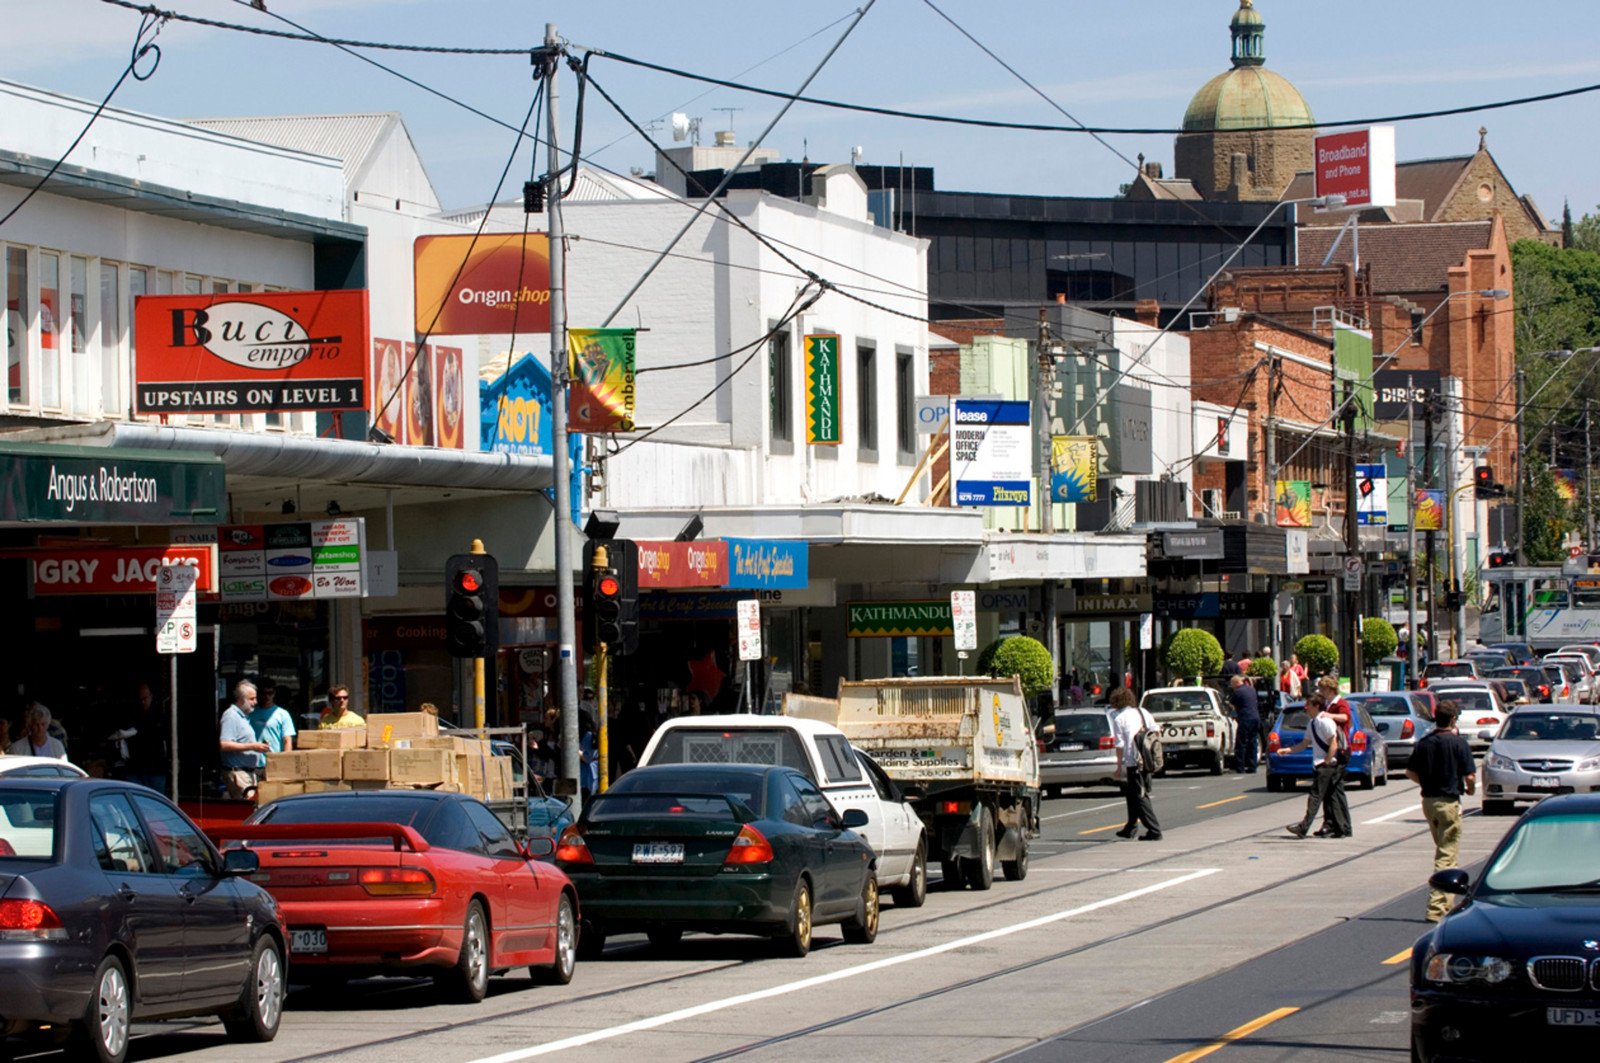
pixel 1442 765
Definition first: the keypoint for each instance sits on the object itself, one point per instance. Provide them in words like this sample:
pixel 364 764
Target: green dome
pixel 1247 15
pixel 1243 98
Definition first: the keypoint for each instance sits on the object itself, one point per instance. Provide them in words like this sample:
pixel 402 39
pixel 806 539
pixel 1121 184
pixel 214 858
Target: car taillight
pixel 1544 691
pixel 5 848
pixel 1408 729
pixel 25 920
pixel 1106 742
pixel 1422 684
pixel 395 881
pixel 1272 742
pixel 1211 729
pixel 955 808
pixel 750 847
pixel 572 849
pixel 1488 721
pixel 1358 741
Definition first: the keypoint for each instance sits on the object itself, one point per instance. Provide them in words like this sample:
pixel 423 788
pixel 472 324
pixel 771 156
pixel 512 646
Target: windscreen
pixel 1548 851
pixel 1459 669
pixel 1178 701
pixel 27 824
pixel 1550 727
pixel 406 811
pixel 1469 700
pixel 1386 706
pixel 1081 726
pixel 774 747
pixel 645 792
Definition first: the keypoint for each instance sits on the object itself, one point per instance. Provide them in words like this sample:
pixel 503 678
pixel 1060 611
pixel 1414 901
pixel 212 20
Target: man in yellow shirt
pixel 338 713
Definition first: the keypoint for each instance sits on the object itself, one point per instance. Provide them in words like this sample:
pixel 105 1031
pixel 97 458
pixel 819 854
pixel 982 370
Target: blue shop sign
pixel 765 564
pixel 514 417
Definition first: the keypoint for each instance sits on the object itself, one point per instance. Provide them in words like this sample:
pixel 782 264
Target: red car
pixel 409 882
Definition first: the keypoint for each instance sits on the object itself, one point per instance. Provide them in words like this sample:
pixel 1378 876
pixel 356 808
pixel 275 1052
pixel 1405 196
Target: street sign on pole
pixel 964 618
pixel 749 629
pixel 175 609
pixel 1352 573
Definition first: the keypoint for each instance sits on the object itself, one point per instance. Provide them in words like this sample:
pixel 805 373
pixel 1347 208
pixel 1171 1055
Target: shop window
pixel 84 382
pixel 867 395
pixel 110 340
pixel 18 319
pixel 193 285
pixel 780 397
pixel 905 405
pixel 50 330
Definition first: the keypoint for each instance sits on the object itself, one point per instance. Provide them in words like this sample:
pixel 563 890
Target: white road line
pixel 787 988
pixel 1392 815
pixel 1081 811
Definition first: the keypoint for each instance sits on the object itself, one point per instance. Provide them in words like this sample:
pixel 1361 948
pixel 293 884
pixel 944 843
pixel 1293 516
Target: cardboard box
pixel 386 728
pixel 500 779
pixel 471 774
pixel 422 767
pixel 446 742
pixel 304 764
pixel 271 791
pixel 333 738
pixel 366 765
pixel 317 786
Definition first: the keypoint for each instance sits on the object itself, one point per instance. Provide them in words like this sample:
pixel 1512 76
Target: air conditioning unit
pixel 1232 514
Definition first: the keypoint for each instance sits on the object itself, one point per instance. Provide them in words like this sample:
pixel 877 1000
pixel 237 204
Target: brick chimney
pixel 1147 312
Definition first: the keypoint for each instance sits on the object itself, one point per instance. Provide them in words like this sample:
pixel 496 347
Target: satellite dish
pixel 680 126
pixel 856 153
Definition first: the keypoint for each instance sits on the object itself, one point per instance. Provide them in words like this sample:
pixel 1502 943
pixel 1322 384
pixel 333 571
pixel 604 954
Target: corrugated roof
pixel 349 138
pixel 1403 258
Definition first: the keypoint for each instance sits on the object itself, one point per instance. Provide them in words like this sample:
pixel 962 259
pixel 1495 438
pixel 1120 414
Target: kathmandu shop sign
pixel 91 485
pixel 892 619
pixel 118 569
pixel 251 352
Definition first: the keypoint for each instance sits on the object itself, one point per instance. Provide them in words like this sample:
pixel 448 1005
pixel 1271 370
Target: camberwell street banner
pixel 601 363
pixel 1074 468
pixel 1428 509
pixel 822 389
pixel 251 352
pixel 495 283
pixel 1293 503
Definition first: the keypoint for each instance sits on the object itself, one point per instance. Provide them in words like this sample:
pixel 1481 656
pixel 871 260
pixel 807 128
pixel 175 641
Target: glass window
pixel 905 402
pixel 496 839
pixel 880 781
pixel 838 759
pixel 28 824
pixel 867 395
pixel 192 285
pixel 18 316
pixel 1179 701
pixel 110 340
pixel 50 330
pixel 1085 727
pixel 165 279
pixel 119 839
pixel 1545 727
pixel 1548 851
pixel 1387 706
pixel 181 848
pixel 219 287
pixel 680 786
pixel 778 747
pixel 818 809
pixel 779 397
pixel 389 808
pixel 85 381
pixel 450 829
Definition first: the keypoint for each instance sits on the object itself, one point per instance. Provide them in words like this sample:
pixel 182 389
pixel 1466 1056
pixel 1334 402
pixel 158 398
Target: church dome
pixel 1243 98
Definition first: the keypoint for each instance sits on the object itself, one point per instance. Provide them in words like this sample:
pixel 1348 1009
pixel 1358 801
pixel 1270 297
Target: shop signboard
pixel 117 569
pixel 891 619
pixel 337 550
pixel 600 397
pixel 175 609
pixel 1080 605
pixel 1360 166
pixel 93 485
pixel 419 395
pixel 1201 544
pixel 722 604
pixel 293 561
pixel 992 453
pixel 822 389
pixel 251 352
pixel 1210 605
pixel 768 563
pixel 488 283
pixel 1372 494
pixel 749 612
pixel 964 618
pixel 665 565
pixel 1394 391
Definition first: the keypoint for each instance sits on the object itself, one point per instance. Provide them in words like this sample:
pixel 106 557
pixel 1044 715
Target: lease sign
pixel 119 569
pixel 251 352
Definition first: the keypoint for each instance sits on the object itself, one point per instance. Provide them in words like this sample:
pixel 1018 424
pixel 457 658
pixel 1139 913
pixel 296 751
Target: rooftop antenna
pixel 731 112
pixel 684 127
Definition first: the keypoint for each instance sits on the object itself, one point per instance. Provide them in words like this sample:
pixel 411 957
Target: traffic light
pixel 1483 481
pixel 471 605
pixel 611 597
pixel 1501 559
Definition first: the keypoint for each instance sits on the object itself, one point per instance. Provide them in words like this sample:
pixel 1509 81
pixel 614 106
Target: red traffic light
pixel 608 586
pixel 468 580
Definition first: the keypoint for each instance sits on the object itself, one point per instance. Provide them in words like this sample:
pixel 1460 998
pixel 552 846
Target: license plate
pixel 308 941
pixel 1572 1016
pixel 658 853
pixel 1546 782
pixel 1070 747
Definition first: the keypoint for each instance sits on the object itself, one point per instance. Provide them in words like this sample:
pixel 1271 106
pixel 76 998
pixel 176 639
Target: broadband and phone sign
pixel 1358 166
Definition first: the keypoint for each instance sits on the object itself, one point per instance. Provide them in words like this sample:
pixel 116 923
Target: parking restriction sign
pixel 175 609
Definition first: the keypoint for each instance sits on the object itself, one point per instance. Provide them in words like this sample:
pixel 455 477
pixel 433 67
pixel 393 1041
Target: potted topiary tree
pixel 1319 654
pixel 1263 668
pixel 1192 653
pixel 1027 659
pixel 1378 640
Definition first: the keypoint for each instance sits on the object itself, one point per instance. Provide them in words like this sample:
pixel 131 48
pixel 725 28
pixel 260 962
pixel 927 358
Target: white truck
pixel 1197 728
pixel 963 748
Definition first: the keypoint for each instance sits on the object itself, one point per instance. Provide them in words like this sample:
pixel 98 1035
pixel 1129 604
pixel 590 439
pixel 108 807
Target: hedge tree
pixel 1378 640
pixel 1194 652
pixel 1319 654
pixel 1028 660
pixel 1264 667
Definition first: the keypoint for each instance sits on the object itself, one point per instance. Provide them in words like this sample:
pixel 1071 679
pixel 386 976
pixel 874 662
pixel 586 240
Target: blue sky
pixel 1108 62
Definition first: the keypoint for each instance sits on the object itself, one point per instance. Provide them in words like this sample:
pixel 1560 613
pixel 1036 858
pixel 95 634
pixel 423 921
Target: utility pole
pixel 1588 476
pixel 1044 380
pixel 567 664
pixel 1411 533
pixel 1457 550
pixel 1430 412
pixel 1274 621
pixel 1522 475
pixel 1352 534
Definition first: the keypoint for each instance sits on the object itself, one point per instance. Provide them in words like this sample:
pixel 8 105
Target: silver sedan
pixel 1542 750
pixel 1080 753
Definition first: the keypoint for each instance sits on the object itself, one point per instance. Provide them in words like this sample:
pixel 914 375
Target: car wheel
pixel 914 892
pixel 1217 763
pixel 261 1005
pixel 664 939
pixel 1498 808
pixel 468 981
pixel 566 958
pixel 862 928
pixel 102 1034
pixel 979 870
pixel 1274 784
pixel 794 941
pixel 591 941
pixel 1364 781
pixel 951 872
pixel 1017 869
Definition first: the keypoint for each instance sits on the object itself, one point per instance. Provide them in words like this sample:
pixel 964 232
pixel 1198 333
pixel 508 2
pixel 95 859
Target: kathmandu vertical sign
pixel 822 389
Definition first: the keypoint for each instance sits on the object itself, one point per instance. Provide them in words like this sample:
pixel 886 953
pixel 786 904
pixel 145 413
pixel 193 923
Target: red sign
pixel 251 352
pixel 673 564
pixel 118 569
pixel 1358 166
pixel 490 283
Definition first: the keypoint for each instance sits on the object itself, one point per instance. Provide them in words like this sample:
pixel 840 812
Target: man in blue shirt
pixel 242 751
pixel 1247 714
pixel 272 722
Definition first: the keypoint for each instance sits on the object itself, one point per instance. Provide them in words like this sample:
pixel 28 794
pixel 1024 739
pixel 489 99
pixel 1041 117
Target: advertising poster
pixel 822 389
pixel 1429 509
pixel 449 393
pixel 1566 485
pixel 389 388
pixel 494 283
pixel 251 352
pixel 1293 503
pixel 1074 468
pixel 991 453
pixel 602 365
pixel 419 399
pixel 419 396
pixel 1372 495
pixel 288 562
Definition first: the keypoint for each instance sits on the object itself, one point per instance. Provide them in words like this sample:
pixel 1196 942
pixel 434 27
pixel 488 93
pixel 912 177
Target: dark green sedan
pixel 719 848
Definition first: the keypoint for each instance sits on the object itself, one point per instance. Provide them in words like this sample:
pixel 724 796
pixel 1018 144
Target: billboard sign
pixel 992 453
pixel 491 283
pixel 118 569
pixel 1391 388
pixel 1358 166
pixel 822 389
pixel 1372 494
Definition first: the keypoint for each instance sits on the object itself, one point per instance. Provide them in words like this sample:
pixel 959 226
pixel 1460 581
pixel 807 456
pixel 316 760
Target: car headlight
pixel 1499 763
pixel 1456 969
pixel 1592 764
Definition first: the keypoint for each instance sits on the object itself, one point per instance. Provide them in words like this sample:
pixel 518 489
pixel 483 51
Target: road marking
pixel 1097 830
pixel 1233 1035
pixel 1224 801
pixel 1388 816
pixel 1398 958
pixel 667 1018
pixel 1081 811
pixel 1390 1018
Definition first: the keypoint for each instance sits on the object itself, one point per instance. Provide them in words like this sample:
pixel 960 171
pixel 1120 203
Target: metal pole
pixel 566 664
pixel 1588 475
pixel 172 725
pixel 478 685
pixel 1430 411
pixel 1458 615
pixel 1411 533
pixel 1270 489
pixel 1521 476
pixel 1352 535
pixel 603 703
pixel 1047 508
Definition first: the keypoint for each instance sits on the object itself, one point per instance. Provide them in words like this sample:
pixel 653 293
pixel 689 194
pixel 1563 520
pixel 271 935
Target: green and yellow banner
pixel 1074 468
pixel 822 388
pixel 1293 503
pixel 601 363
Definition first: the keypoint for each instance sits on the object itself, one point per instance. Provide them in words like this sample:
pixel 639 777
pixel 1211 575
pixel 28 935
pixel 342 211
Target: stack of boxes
pixel 402 750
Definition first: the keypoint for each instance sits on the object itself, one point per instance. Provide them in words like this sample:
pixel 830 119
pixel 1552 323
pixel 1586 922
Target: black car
pixel 1516 968
pixel 115 909
pixel 1535 677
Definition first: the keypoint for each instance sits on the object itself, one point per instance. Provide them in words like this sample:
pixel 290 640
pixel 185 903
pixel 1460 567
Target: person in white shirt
pixel 1322 737
pixel 36 740
pixel 1126 725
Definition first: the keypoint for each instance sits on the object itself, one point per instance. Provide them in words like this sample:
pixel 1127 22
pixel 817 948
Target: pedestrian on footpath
pixel 1247 714
pixel 271 721
pixel 1441 764
pixel 243 753
pixel 1337 709
pixel 1322 737
pixel 1131 771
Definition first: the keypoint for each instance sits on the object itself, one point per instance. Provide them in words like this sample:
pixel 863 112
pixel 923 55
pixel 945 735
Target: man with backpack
pixel 1137 741
pixel 1322 737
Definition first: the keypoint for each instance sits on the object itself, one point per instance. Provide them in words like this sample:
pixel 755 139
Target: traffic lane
pixel 1094 814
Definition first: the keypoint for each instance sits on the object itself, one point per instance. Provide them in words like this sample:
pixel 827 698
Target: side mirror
pixel 240 862
pixel 534 848
pixel 853 818
pixel 913 792
pixel 1486 734
pixel 1450 880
